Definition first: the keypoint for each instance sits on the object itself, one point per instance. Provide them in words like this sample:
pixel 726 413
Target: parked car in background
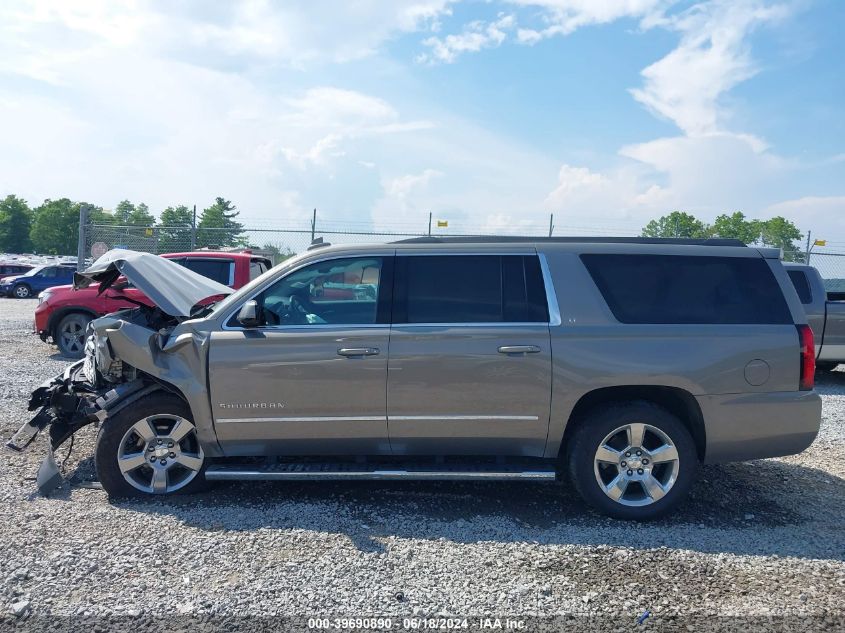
pixel 622 363
pixel 63 313
pixel 12 269
pixel 825 314
pixel 37 279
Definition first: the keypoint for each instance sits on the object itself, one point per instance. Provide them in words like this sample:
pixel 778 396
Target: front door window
pixel 339 291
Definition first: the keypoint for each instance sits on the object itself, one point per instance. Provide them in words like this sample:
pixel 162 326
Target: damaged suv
pixel 625 363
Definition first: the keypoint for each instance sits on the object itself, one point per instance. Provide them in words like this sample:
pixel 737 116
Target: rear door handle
pixel 358 351
pixel 519 349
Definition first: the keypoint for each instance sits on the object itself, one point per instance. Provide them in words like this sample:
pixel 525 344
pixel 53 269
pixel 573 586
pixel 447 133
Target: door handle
pixel 519 349
pixel 358 351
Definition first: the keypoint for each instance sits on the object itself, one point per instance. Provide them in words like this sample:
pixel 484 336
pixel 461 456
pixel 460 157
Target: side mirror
pixel 248 314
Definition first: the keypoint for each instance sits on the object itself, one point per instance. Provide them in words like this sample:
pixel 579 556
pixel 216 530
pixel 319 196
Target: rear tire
pixel 633 461
pixel 150 448
pixel 22 291
pixel 70 334
pixel 826 366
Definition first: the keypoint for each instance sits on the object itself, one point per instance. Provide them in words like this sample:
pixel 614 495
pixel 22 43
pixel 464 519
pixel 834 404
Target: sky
pixel 491 115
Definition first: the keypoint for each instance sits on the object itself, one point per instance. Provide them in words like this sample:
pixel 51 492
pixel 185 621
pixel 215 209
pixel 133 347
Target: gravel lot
pixel 764 538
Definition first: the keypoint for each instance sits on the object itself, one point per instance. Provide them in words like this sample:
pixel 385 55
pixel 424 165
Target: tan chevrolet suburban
pixel 622 363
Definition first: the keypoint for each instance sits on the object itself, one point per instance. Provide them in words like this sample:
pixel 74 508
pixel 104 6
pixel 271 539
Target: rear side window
pixel 219 270
pixel 685 289
pixel 469 289
pixel 802 286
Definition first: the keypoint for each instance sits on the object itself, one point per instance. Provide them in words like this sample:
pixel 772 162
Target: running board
pixel 319 471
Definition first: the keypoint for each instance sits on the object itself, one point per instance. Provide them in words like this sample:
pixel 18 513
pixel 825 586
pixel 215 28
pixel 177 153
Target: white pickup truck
pixel 825 314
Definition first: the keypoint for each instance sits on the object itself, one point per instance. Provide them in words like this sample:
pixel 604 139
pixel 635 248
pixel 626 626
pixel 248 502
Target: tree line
pixel 52 228
pixel 777 232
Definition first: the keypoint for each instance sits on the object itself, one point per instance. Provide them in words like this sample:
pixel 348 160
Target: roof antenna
pixel 317 242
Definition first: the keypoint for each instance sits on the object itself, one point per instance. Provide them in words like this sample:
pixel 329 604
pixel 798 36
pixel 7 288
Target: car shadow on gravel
pixel 767 507
pixel 831 383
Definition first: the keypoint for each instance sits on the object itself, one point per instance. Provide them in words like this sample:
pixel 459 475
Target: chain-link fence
pixel 831 266
pixel 275 242
pixel 280 243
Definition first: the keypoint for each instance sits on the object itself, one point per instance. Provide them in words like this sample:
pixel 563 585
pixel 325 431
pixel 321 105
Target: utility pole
pixel 807 256
pixel 313 224
pixel 194 230
pixel 80 245
pixel 429 222
pixel 551 223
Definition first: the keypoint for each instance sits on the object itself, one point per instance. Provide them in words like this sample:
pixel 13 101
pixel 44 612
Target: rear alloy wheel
pixel 70 335
pixel 22 291
pixel 150 448
pixel 632 461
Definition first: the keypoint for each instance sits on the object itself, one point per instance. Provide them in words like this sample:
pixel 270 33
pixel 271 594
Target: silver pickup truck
pixel 825 314
pixel 622 363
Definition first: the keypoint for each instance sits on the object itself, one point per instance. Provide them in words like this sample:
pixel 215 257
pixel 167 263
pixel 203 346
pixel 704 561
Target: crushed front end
pixel 86 391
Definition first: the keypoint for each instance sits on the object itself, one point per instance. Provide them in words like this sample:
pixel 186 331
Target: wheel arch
pixel 677 401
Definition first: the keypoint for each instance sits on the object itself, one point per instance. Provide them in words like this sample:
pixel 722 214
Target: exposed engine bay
pixel 128 354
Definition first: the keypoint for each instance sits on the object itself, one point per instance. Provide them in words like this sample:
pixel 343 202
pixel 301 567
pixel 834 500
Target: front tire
pixel 633 461
pixel 150 448
pixel 70 335
pixel 22 291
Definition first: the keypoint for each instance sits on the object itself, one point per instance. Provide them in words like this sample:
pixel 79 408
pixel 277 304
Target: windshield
pixel 34 271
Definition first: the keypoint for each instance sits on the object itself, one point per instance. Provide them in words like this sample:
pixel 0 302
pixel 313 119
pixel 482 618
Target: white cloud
pixel 824 215
pixel 476 36
pixel 563 17
pixel 712 57
pixel 402 186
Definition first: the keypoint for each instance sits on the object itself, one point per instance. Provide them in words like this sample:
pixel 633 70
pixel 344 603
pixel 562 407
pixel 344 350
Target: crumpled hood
pixel 172 287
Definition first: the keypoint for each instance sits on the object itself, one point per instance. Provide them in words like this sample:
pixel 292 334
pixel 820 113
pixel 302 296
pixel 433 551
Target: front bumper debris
pixel 65 404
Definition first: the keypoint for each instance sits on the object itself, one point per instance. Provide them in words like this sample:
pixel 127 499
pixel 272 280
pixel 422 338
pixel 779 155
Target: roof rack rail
pixel 498 239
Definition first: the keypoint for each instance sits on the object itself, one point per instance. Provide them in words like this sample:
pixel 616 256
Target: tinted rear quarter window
pixel 802 286
pixel 664 289
pixel 469 289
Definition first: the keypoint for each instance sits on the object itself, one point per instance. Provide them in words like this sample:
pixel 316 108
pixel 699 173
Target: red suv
pixel 63 313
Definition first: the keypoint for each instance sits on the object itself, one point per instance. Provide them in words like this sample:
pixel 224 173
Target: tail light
pixel 808 357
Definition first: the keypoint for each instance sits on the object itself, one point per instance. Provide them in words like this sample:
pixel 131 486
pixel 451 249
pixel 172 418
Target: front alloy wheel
pixel 160 454
pixel 22 291
pixel 151 447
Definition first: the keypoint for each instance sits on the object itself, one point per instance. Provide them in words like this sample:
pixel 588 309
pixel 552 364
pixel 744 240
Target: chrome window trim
pixel 472 324
pixel 551 296
pixel 465 253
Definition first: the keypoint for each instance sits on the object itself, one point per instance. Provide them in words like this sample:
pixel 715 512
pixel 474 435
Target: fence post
pixel 81 242
pixel 313 224
pixel 429 222
pixel 194 230
pixel 551 223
